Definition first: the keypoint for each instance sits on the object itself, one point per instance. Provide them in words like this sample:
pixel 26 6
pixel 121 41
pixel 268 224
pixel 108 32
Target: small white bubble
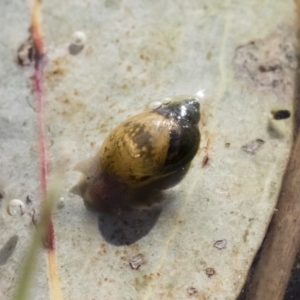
pixel 166 100
pixel 78 38
pixel 200 93
pixel 15 207
pixel 61 202
pixel 155 105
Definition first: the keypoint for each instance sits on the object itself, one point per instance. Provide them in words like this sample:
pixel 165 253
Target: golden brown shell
pixel 136 150
pixel 142 149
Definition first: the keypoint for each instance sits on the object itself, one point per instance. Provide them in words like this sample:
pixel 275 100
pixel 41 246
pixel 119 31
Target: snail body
pixel 141 150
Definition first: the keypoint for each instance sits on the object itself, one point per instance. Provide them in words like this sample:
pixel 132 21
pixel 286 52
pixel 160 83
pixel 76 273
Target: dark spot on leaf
pixel 210 272
pixel 25 53
pixel 281 114
pixel 270 68
pixel 205 160
pixel 191 291
pixel 273 131
pixel 8 249
pixel 75 49
pixel 28 199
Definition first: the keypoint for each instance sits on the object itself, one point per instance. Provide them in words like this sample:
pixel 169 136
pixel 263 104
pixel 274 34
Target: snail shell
pixel 142 149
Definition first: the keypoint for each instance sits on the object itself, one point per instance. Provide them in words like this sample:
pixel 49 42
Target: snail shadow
pixel 127 228
pixel 131 224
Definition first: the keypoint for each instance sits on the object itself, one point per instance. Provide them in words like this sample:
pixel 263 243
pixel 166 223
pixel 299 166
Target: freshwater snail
pixel 141 150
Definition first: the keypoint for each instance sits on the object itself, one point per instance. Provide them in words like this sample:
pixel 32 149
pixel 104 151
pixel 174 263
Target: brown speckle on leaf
pixel 269 64
pixel 205 160
pixel 56 70
pixel 136 261
pixel 269 68
pixel 30 199
pixel 191 291
pixel 210 272
pixel 25 53
pixel 34 217
pixel 245 236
